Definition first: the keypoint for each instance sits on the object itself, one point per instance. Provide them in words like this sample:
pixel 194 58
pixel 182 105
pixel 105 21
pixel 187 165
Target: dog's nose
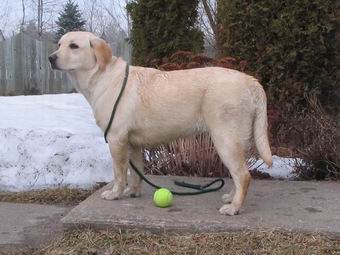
pixel 52 58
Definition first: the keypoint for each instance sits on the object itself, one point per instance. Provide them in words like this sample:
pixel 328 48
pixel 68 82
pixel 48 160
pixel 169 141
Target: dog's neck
pixel 82 81
pixel 86 80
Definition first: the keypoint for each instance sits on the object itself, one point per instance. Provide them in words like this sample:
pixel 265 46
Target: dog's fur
pixel 159 106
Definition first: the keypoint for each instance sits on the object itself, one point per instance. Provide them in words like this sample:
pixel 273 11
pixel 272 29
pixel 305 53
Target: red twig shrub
pixel 188 60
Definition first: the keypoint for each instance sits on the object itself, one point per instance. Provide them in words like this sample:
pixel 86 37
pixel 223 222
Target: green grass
pixel 238 243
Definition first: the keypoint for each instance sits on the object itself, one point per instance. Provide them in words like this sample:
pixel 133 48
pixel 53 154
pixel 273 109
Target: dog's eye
pixel 58 45
pixel 74 46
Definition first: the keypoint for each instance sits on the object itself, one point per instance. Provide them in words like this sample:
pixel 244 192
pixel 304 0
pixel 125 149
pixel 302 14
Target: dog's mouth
pixel 54 66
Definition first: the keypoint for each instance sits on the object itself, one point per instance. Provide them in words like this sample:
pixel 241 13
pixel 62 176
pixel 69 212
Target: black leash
pixel 117 101
pixel 201 189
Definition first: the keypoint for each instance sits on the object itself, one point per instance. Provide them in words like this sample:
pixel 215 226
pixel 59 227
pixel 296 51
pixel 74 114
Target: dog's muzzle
pixel 53 60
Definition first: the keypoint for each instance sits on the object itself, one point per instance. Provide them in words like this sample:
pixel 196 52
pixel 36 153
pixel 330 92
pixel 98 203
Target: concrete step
pixel 287 205
pixel 29 225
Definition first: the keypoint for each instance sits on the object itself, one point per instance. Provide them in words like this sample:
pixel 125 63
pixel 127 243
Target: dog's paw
pixel 227 198
pixel 228 210
pixel 135 194
pixel 110 195
pixel 132 192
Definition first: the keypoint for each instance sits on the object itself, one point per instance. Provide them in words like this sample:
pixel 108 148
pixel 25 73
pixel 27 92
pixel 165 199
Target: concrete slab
pixel 29 225
pixel 300 206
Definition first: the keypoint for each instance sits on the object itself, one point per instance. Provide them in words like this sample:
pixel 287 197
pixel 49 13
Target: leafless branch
pixel 23 13
pixel 117 12
pixel 210 12
pixel 4 14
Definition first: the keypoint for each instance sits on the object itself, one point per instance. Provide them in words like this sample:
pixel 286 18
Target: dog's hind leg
pixel 135 183
pixel 232 154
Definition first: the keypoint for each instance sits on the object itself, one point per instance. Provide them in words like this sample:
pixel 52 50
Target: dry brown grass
pixel 237 243
pixel 65 196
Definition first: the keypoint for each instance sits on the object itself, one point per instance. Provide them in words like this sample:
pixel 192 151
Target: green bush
pixel 290 45
pixel 162 27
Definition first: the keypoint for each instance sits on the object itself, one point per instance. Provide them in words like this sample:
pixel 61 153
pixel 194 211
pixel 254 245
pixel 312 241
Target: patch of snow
pixel 282 167
pixel 50 141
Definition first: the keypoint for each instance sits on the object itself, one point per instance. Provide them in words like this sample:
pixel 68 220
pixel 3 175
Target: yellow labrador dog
pixel 157 107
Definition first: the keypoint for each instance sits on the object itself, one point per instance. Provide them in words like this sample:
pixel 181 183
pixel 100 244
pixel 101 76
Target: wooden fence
pixel 24 67
pixel 25 70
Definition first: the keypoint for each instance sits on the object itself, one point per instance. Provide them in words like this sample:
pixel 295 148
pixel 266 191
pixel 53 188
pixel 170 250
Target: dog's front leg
pixel 119 154
pixel 135 183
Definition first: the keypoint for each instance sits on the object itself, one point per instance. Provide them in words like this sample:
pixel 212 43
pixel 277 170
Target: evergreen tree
pixel 70 19
pixel 162 27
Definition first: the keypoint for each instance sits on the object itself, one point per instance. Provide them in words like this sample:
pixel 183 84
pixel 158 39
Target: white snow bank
pixel 53 140
pixel 50 140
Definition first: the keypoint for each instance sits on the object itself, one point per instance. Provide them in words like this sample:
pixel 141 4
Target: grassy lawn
pixel 242 243
pixel 64 196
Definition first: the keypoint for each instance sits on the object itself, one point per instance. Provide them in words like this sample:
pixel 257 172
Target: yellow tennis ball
pixel 162 198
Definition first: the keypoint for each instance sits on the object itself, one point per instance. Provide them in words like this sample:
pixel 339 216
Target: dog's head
pixel 80 51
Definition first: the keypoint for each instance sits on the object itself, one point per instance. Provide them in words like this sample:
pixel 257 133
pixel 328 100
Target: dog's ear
pixel 102 51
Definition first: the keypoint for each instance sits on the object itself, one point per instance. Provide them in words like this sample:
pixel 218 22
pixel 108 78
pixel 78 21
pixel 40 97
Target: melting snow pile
pixel 50 140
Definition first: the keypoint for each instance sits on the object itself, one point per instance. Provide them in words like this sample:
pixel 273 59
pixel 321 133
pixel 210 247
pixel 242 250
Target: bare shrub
pixel 314 137
pixel 188 60
pixel 191 156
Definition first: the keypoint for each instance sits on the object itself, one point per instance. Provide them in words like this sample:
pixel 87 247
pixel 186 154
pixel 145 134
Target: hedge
pixel 290 45
pixel 162 27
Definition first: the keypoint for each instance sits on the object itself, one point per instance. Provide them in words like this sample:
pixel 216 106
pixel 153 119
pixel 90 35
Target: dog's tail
pixel 261 126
